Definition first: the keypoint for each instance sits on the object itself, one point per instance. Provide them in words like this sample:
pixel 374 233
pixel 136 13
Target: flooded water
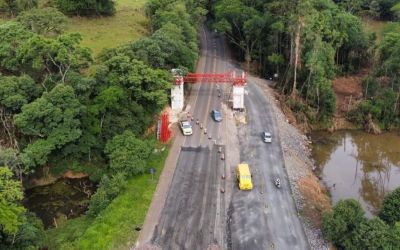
pixel 64 199
pixel 357 165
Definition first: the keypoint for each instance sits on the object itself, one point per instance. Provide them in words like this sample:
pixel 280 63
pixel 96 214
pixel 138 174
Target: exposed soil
pixel 349 91
pixel 74 175
pixel 315 197
pixel 43 177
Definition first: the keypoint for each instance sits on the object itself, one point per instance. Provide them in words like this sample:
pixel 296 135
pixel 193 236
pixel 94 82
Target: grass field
pixel 115 227
pixel 128 24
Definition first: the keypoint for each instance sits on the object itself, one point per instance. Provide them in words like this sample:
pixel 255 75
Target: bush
pixel 382 109
pixel 390 211
pixel 338 225
pixel 109 188
pixel 86 7
pixel 16 6
pixel 370 234
pixel 347 227
pixel 127 154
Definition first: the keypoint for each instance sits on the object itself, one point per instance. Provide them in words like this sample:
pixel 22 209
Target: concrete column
pixel 177 101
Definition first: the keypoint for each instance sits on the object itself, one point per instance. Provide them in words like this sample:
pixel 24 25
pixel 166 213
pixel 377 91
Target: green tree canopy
pixel 127 154
pixel 58 56
pixel 51 121
pixel 46 21
pixel 242 24
pixel 338 225
pixel 10 193
pixel 17 91
pixel 86 7
pixel 15 6
pixel 369 235
pixel 128 88
pixel 390 211
pixel 13 35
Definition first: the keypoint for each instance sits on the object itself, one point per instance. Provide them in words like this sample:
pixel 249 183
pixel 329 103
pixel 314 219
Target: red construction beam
pixel 228 77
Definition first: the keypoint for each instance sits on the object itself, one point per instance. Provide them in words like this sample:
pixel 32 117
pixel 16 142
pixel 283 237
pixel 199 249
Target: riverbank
pixel 43 177
pixel 310 196
pixel 62 200
pixel 358 165
pixel 118 226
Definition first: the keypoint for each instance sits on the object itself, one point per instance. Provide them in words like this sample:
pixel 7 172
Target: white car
pixel 267 137
pixel 186 128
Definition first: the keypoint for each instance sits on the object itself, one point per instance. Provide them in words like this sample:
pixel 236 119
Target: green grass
pixel 381 27
pixel 114 228
pixel 128 24
pixel 374 26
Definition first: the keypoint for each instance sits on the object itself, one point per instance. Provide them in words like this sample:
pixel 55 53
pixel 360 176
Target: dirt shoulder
pixel 310 196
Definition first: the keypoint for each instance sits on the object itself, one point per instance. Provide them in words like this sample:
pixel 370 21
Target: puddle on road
pixel 357 165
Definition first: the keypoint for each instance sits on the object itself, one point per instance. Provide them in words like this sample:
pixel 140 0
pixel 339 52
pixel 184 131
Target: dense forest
pixel 62 109
pixel 304 45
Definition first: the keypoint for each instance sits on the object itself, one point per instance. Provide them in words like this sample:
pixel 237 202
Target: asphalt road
pixel 266 217
pixel 190 219
pixel 195 215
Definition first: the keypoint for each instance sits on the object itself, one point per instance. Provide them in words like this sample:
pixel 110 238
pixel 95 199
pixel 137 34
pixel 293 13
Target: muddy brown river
pixel 357 165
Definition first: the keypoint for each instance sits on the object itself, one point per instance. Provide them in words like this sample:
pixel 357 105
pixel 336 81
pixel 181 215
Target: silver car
pixel 267 137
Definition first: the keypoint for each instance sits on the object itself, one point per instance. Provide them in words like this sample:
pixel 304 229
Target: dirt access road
pixel 195 214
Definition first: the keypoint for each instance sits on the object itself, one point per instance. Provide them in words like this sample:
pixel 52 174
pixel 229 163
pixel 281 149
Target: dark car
pixel 216 115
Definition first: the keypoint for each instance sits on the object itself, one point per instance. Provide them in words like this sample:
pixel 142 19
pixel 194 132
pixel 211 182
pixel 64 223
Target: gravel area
pixel 298 161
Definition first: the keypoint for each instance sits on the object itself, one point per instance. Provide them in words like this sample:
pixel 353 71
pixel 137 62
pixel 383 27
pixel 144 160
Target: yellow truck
pixel 243 176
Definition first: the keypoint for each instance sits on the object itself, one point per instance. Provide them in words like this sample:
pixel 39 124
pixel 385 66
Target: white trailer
pixel 238 97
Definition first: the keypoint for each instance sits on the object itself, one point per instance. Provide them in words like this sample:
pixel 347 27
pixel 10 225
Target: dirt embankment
pixel 349 93
pixel 43 177
pixel 310 195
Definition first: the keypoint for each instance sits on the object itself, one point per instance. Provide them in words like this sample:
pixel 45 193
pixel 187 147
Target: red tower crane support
pixel 165 132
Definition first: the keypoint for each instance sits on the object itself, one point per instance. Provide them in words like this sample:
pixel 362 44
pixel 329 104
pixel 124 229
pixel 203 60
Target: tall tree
pixel 13 35
pixel 10 211
pixel 46 21
pixel 240 23
pixel 50 121
pixel 14 93
pixel 57 56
